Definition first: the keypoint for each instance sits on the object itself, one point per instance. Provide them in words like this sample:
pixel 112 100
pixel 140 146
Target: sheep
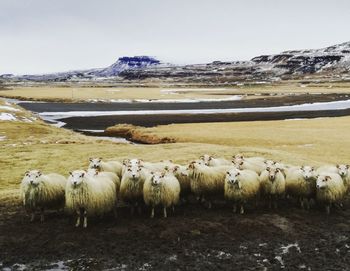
pixel 211 161
pixel 39 191
pixel 301 183
pixel 207 182
pixel 329 189
pixel 256 166
pixel 341 169
pixel 241 157
pixel 157 166
pixel 272 184
pixel 161 188
pixel 110 166
pixel 131 186
pixel 241 186
pixel 182 174
pixel 114 177
pixel 89 196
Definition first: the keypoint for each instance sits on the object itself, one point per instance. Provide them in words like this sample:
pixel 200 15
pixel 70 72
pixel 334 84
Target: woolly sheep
pixel 301 183
pixel 39 191
pixel 272 184
pixel 111 175
pixel 330 189
pixel 110 166
pixel 89 196
pixel 182 174
pixel 211 161
pixel 161 188
pixel 241 157
pixel 207 182
pixel 256 166
pixel 241 186
pixel 131 186
pixel 341 169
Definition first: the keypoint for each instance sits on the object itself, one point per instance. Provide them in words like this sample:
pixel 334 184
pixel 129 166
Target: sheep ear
pixel 83 174
pixel 302 167
pixel 337 165
pixel 210 158
pixel 267 168
pixel 39 172
pixel 163 174
pixel 347 166
pixel 152 172
pixel 312 168
pixel 278 170
pixel 90 159
pixel 100 158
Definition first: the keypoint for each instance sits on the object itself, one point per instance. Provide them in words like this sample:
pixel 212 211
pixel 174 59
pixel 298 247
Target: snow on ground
pixel 190 100
pixel 7 117
pixel 8 108
pixel 336 105
pixel 2 138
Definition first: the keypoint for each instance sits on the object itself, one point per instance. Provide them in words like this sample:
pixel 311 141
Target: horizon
pixel 40 37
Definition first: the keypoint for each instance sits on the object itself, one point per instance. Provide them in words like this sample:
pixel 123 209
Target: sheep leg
pixel 152 212
pixel 78 219
pixel 42 218
pixel 132 210
pixel 173 208
pixel 164 212
pixel 209 204
pixel 242 209
pixel 32 217
pixel 307 204
pixel 301 203
pixel 234 208
pixel 85 219
pixel 328 209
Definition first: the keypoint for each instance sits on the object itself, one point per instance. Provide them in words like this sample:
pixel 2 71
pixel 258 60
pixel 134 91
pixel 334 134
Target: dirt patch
pixel 193 238
pixel 136 134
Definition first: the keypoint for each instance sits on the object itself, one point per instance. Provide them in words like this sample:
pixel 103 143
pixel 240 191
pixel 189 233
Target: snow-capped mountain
pixel 309 61
pixel 332 61
pixel 123 63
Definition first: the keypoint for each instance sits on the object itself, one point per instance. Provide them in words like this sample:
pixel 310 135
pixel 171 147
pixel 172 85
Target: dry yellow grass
pixel 54 93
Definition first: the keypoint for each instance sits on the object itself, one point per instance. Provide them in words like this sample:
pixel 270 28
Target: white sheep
pixel 256 166
pixel 272 184
pixel 182 174
pixel 161 188
pixel 211 161
pixel 207 182
pixel 111 175
pixel 330 189
pixel 89 196
pixel 341 169
pixel 131 186
pixel 156 166
pixel 241 157
pixel 39 191
pixel 241 186
pixel 301 183
pixel 110 166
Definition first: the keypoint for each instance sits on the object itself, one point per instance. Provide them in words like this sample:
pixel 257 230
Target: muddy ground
pixel 193 238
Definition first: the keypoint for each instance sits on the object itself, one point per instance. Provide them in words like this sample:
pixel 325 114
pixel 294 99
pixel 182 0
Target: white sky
pixel 41 36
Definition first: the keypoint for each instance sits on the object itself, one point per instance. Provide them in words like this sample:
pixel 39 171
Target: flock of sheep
pixel 97 190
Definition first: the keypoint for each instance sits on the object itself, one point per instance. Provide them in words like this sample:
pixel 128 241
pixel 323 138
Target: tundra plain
pixel 193 236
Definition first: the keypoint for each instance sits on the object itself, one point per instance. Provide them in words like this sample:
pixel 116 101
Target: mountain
pixel 123 63
pixel 332 61
pixel 329 62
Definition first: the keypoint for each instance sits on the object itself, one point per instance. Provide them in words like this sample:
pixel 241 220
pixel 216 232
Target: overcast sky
pixel 41 36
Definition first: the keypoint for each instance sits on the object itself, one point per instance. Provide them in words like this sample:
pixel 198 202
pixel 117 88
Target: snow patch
pixel 7 117
pixel 8 108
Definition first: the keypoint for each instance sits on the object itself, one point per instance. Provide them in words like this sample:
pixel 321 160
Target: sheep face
pixel 308 173
pixel 133 172
pixel 272 173
pixel 32 177
pixel 237 158
pixel 92 172
pixel 322 182
pixel 238 163
pixel 95 163
pixel 343 170
pixel 76 178
pixel 206 159
pixel 181 170
pixel 232 178
pixel 157 178
pixel 269 163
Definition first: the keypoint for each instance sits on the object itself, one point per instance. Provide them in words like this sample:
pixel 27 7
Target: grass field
pixel 52 93
pixel 29 145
